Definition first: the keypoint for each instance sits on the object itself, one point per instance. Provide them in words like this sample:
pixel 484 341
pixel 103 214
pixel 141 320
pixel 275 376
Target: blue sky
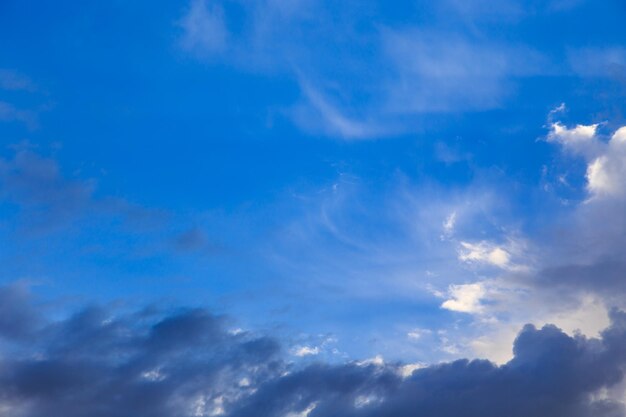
pixel 407 181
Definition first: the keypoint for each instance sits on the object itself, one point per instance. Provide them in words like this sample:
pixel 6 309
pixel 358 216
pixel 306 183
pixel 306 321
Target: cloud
pixel 204 29
pixel 364 79
pixel 579 140
pixel 36 183
pixel 551 374
pixel 49 200
pixel 514 255
pixel 318 115
pixel 100 362
pixel 60 217
pixel 606 174
pixel 508 11
pixel 305 351
pixel 465 298
pixel 14 81
pixel 598 62
pixel 550 277
pixel 587 253
pixel 484 252
pixel 151 362
pixel 573 271
pixel 605 157
pixel 417 333
pixel 448 225
pixel 18 319
pixel 447 72
pixel 10 113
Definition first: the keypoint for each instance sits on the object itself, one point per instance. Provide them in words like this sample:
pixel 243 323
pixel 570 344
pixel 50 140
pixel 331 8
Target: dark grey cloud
pixel 18 319
pixel 105 363
pixel 100 363
pixel 605 276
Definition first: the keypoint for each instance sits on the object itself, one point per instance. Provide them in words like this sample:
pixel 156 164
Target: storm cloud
pixel 186 362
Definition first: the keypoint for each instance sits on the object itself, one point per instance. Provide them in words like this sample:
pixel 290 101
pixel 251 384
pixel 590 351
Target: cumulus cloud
pixel 587 252
pixel 465 298
pixel 606 161
pixel 579 140
pixel 149 363
pixel 606 174
pixel 101 362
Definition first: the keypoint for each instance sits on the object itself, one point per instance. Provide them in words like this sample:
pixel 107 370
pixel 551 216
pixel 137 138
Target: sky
pixel 307 208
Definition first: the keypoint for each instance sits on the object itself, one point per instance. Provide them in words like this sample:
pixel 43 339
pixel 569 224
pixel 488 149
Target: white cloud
pixel 377 360
pixel 580 140
pixel 365 400
pixel 465 298
pixel 416 334
pixel 606 175
pixel 153 375
pixel 303 413
pixel 305 351
pixel 497 346
pixel 484 252
pixel 407 370
pixel 606 162
pixel 448 224
pixel 447 346
pixel 589 317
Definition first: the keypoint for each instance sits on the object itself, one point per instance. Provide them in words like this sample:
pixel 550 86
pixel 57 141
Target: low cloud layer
pixel 185 362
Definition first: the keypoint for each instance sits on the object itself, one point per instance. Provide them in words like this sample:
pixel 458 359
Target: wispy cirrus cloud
pixel 204 29
pixel 447 72
pixel 14 81
pixel 363 79
pixel 10 113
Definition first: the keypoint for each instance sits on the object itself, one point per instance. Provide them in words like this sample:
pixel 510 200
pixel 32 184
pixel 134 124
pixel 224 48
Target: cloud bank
pixel 104 362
